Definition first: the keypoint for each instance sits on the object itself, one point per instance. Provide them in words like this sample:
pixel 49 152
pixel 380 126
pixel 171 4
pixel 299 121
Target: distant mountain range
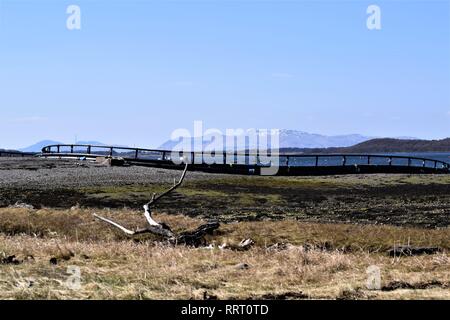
pixel 288 139
pixel 37 147
pixel 299 141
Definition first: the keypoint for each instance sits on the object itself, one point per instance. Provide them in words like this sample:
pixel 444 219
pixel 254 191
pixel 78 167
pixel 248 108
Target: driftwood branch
pixel 244 245
pixel 192 238
pixel 155 197
pixel 127 231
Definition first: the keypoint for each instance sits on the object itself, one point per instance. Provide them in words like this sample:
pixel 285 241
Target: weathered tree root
pixel 191 238
pixel 196 238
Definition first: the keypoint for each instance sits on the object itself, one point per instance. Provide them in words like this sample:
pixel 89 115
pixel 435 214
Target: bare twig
pixel 155 198
pixel 195 237
pixel 127 231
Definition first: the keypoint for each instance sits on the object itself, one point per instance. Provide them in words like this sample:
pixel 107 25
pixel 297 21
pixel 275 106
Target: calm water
pixel 376 159
pixel 441 156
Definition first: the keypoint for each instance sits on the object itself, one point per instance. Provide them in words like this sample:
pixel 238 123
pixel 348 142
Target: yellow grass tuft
pixel 324 261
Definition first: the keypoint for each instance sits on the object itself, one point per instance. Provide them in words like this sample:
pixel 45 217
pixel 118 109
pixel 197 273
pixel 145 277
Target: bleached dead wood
pixel 244 245
pixel 191 238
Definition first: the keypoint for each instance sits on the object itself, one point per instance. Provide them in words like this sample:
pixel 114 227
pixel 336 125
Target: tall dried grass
pixel 325 261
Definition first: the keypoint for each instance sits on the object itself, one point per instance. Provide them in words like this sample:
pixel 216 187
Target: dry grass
pixel 80 225
pixel 129 270
pixel 114 267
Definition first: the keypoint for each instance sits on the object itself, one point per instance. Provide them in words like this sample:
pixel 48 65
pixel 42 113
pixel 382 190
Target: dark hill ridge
pixel 397 145
pixel 385 145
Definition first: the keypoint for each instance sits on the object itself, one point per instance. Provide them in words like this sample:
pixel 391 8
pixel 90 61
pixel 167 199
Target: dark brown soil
pixel 396 285
pixel 404 200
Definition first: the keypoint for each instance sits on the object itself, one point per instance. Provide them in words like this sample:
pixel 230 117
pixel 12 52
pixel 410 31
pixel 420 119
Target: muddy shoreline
pixel 402 200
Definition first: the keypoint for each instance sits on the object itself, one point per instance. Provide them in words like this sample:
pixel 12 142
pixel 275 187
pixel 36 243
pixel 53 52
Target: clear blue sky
pixel 137 70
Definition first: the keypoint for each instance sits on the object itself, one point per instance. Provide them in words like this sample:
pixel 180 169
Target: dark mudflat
pixel 397 199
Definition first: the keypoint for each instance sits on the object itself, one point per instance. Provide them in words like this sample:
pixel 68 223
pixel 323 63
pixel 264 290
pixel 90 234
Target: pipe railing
pixel 243 157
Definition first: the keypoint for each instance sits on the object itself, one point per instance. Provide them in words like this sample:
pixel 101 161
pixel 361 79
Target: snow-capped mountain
pixel 300 139
pixel 287 139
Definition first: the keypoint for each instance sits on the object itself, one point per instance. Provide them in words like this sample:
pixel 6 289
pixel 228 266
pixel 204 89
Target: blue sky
pixel 137 70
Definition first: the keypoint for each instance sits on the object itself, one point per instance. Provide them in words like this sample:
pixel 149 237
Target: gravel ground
pixel 61 174
pixel 404 200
